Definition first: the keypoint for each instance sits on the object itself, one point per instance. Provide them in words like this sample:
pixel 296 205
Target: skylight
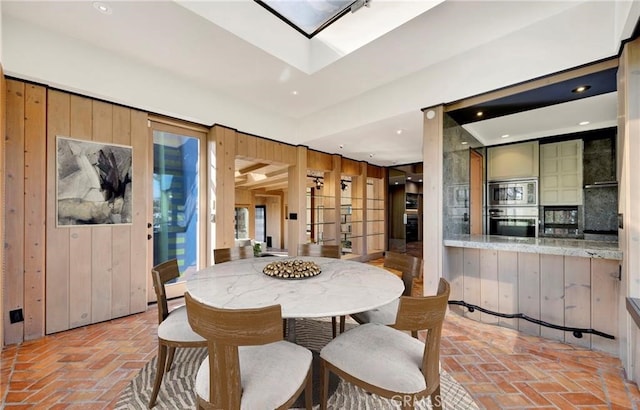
pixel 310 17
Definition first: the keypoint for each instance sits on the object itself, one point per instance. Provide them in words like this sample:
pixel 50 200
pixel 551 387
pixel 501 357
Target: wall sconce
pixel 343 184
pixel 319 183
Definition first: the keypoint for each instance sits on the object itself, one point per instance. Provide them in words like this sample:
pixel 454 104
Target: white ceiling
pixel 230 62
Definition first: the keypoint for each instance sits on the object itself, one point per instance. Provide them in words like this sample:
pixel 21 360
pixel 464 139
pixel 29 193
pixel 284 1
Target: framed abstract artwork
pixel 93 183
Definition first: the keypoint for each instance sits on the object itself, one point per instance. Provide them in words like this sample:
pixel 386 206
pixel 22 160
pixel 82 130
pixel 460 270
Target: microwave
pixel 513 193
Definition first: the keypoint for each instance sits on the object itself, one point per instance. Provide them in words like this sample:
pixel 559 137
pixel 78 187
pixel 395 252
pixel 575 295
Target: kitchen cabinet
pixel 561 173
pixel 513 161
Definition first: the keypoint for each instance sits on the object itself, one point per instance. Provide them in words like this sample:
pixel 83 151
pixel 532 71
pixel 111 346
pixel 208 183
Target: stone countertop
pixel 551 246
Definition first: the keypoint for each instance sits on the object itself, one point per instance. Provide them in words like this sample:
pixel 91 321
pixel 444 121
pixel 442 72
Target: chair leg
pixel 333 326
pixel 172 352
pixel 324 385
pixel 343 320
pixel 436 399
pixel 308 391
pixel 162 360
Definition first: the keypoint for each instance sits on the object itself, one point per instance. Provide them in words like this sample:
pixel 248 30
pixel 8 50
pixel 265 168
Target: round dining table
pixel 343 287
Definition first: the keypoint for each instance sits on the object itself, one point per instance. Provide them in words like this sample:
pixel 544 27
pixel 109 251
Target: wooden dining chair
pixel 173 327
pixel 387 361
pixel 249 365
pixel 231 254
pixel 314 249
pixel 325 251
pixel 411 268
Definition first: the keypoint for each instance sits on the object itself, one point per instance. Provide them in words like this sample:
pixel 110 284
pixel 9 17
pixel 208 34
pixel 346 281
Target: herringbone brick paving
pixel 88 367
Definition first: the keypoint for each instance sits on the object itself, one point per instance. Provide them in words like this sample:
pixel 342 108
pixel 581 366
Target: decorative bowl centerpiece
pixel 292 269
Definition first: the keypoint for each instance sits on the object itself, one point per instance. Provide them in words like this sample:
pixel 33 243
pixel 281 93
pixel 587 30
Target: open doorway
pixel 261 224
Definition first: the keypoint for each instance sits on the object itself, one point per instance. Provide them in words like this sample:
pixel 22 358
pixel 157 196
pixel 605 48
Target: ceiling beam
pixel 533 84
pixel 252 167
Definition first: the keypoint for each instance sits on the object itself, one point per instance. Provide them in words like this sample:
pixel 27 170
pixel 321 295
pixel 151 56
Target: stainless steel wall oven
pixel 513 208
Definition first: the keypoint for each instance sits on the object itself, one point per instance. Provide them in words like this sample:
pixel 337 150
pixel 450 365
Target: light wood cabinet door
pixel 561 173
pixel 513 161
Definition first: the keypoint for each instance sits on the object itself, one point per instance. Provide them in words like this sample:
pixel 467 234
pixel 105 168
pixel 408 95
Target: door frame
pixel 187 130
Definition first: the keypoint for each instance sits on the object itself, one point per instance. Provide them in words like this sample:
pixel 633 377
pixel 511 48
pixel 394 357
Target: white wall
pixel 73 65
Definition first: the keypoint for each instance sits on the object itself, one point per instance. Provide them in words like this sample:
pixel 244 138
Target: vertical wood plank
pixel 252 147
pixel 552 295
pixel 489 284
pixel 102 236
pixel 432 149
pixel 141 247
pixel 529 291
pixel 472 280
pixel 34 227
pixel 3 122
pixel 229 185
pixel 14 208
pixel 577 303
pixel 508 286
pixel 605 294
pixel 289 154
pixel 80 237
pixel 454 273
pixel 57 280
pixel 241 145
pixel 121 263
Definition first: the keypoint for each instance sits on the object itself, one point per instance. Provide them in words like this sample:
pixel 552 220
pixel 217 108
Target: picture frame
pixel 93 183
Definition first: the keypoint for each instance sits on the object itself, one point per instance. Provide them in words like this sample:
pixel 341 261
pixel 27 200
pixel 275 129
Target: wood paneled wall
pixel 229 144
pixel 562 290
pixel 628 171
pixel 24 201
pixel 96 273
pixel 3 120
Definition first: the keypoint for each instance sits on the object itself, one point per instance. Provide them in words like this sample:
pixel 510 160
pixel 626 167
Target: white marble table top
pixel 342 288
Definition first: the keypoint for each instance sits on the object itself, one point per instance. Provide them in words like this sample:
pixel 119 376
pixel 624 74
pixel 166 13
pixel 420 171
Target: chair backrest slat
pixel 410 266
pixel 426 313
pixel 161 274
pixel 312 249
pixel 226 330
pixel 231 254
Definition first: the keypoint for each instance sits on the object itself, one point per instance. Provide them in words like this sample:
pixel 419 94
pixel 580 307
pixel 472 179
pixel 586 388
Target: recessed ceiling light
pixel 504 136
pixel 294 92
pixel 370 155
pixel 581 89
pixel 341 146
pixel 102 7
pixel 399 131
pixel 479 114
pixel 464 143
pixel 583 123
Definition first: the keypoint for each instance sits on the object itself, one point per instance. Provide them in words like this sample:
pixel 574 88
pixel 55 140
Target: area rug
pixel 177 386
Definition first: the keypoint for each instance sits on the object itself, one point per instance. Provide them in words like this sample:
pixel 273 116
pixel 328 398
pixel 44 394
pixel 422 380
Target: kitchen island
pixel 570 283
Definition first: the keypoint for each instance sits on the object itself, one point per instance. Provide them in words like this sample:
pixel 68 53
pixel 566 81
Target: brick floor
pixel 88 367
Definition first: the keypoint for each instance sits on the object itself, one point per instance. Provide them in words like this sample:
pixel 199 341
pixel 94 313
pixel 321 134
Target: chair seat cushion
pixel 176 328
pixel 385 314
pixel 379 355
pixel 270 374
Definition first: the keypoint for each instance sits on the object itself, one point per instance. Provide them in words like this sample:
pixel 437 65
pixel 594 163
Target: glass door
pixel 178 221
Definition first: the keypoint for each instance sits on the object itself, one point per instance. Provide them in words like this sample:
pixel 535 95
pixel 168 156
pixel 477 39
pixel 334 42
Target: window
pixel 310 17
